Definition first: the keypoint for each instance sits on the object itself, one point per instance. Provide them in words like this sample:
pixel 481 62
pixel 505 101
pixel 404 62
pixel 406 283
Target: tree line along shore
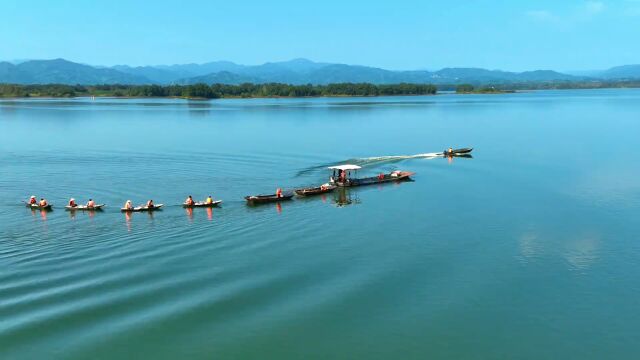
pixel 215 91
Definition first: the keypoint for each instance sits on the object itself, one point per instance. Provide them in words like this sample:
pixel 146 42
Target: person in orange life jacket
pixel 189 201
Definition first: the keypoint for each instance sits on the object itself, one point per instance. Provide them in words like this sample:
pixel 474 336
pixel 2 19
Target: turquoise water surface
pixel 529 250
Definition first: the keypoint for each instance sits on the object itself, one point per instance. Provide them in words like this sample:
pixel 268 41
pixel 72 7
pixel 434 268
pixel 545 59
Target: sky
pixel 398 35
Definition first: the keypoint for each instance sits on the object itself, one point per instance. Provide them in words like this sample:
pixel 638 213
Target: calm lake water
pixel 529 250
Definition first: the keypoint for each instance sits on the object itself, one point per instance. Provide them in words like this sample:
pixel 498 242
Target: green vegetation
pixel 204 91
pixel 470 89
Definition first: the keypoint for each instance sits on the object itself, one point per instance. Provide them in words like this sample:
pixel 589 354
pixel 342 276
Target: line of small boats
pixel 342 176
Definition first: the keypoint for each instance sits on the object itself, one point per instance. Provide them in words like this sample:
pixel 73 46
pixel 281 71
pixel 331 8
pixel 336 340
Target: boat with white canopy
pixel 346 176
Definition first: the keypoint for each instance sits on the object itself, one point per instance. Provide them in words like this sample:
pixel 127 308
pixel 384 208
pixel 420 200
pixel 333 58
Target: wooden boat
pixel 85 208
pixel 315 190
pixel 202 205
pixel 263 199
pixel 38 207
pixel 395 176
pixel 143 208
pixel 457 152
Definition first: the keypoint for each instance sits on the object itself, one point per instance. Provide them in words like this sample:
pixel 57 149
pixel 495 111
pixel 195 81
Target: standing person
pixel 189 201
pixel 72 202
pixel 91 203
pixel 32 200
pixel 279 192
pixel 343 175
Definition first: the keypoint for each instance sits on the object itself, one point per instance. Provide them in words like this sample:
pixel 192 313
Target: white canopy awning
pixel 345 167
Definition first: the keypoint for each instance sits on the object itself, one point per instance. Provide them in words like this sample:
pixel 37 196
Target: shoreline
pixel 219 98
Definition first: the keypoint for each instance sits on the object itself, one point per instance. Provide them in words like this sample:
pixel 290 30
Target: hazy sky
pixel 509 35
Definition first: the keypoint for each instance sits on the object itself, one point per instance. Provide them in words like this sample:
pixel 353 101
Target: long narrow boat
pixel 202 205
pixel 38 207
pixel 395 176
pixel 315 190
pixel 263 199
pixel 85 208
pixel 457 152
pixel 143 208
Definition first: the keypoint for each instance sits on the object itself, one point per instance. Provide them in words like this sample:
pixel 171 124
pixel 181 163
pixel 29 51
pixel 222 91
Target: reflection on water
pixel 128 216
pixel 344 196
pixel 581 253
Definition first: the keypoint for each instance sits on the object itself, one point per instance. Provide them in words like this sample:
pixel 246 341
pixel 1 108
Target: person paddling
pixel 72 203
pixel 209 200
pixel 91 204
pixel 189 201
pixel 32 200
pixel 150 204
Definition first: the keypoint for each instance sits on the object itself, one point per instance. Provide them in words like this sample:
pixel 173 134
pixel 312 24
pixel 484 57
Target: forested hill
pixel 295 72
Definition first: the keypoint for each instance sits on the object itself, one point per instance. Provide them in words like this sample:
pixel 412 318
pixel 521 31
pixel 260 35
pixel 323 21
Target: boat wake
pixel 371 161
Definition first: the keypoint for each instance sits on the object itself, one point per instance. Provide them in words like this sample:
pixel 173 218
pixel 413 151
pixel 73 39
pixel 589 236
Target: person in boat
pixel 343 175
pixel 209 200
pixel 43 202
pixel 128 205
pixel 150 204
pixel 381 176
pixel 32 200
pixel 450 151
pixel 91 204
pixel 189 201
pixel 279 192
pixel 72 202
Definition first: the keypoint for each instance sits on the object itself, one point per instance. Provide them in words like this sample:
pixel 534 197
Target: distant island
pixel 470 89
pixel 215 91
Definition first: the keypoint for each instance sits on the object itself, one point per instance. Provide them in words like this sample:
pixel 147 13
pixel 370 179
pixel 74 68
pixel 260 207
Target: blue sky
pixel 509 35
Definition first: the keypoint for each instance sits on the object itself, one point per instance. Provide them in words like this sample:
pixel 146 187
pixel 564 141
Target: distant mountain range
pixel 297 71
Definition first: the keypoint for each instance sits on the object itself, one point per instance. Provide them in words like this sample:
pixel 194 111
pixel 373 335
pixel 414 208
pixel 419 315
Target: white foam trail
pixel 402 157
